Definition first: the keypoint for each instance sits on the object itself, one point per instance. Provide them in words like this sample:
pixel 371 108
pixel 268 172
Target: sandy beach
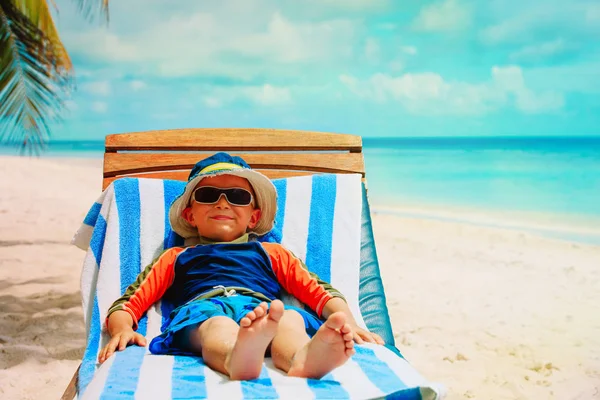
pixel 490 313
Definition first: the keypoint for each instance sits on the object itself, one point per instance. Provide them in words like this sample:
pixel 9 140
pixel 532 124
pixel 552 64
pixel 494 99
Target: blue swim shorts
pixel 194 313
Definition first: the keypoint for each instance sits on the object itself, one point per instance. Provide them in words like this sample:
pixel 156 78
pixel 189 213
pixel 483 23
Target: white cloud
pixel 538 103
pixel 99 88
pixel 212 102
pixel 269 95
pixel 412 50
pixel 204 43
pixel 429 94
pixel 540 51
pixel 288 42
pixel 592 14
pixel 99 107
pixel 372 50
pixel 387 26
pixel 443 16
pixel 265 95
pixel 359 5
pixel 136 85
pixel 396 65
pixel 510 80
pixel 516 29
pixel 576 78
pixel 566 20
pixel 242 12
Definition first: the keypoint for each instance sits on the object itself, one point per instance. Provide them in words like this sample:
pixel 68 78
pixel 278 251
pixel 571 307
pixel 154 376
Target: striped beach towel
pixel 318 218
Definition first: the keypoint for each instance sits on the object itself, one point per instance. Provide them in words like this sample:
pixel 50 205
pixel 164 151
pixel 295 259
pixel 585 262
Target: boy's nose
pixel 222 202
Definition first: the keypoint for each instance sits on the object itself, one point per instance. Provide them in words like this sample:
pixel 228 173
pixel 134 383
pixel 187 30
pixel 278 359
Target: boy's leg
pixel 257 330
pixel 237 351
pixel 298 355
pixel 214 340
pixel 291 336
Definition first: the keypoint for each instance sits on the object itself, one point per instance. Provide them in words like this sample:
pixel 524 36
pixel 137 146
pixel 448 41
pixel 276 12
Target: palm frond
pixel 33 71
pixel 38 13
pixel 91 8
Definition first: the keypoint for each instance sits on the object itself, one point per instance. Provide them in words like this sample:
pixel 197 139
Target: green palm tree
pixel 35 70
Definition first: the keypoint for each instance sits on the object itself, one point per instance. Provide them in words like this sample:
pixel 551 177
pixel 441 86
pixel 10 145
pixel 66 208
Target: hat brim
pixel 264 192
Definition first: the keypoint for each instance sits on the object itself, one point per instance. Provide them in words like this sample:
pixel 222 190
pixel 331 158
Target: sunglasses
pixel 211 195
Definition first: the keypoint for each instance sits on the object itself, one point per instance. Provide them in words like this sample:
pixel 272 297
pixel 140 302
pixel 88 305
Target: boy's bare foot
pixel 257 330
pixel 329 348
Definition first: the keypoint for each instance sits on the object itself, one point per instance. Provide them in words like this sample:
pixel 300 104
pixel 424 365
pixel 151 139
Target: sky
pixel 376 68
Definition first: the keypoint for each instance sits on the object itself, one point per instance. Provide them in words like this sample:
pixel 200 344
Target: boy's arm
pixel 296 279
pixel 149 286
pixel 124 313
pixel 121 332
pixel 119 321
pixel 326 285
pixel 319 295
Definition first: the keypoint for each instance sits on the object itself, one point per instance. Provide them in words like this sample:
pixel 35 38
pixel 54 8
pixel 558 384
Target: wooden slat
pixel 233 139
pixel 129 163
pixel 71 390
pixel 183 175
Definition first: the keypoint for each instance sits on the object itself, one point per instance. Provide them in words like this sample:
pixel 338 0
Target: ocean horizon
pixel 550 185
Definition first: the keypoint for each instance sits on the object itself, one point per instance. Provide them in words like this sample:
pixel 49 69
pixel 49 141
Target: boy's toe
pixel 259 311
pixel 276 310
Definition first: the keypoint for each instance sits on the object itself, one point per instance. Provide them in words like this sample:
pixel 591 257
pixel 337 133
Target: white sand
pixel 491 313
pixel 42 337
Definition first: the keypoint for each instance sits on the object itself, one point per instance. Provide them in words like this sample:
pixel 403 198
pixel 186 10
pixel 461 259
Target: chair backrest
pixel 171 154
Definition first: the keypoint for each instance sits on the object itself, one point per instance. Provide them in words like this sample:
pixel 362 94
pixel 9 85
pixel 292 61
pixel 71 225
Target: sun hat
pixel 220 164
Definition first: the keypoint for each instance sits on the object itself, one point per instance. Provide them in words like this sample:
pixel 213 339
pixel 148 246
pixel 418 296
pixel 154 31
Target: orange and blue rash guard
pixel 262 270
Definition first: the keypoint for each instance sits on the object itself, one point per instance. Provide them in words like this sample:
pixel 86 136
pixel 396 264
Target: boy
pixel 223 286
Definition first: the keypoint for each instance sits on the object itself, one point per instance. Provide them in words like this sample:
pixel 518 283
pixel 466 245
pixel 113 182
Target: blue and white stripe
pixel 318 219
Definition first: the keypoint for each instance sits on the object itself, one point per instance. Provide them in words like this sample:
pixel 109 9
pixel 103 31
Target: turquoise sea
pixel 551 185
pixel 546 185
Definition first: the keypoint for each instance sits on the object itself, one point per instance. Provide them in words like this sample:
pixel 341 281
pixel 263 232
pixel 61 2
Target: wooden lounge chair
pixel 170 154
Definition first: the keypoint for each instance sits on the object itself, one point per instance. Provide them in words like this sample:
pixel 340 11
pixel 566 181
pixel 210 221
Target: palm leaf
pixel 90 8
pixel 38 13
pixel 35 70
pixel 31 73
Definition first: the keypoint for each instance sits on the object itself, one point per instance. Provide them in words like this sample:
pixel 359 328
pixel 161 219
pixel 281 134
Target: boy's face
pixel 222 221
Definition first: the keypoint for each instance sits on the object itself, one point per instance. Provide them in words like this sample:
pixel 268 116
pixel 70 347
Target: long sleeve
pixel 296 279
pixel 149 287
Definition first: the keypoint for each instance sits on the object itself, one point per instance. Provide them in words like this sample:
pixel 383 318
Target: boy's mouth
pixel 221 217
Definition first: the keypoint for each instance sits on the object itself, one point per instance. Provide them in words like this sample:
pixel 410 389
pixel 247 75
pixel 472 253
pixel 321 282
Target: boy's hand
pixel 119 342
pixel 361 335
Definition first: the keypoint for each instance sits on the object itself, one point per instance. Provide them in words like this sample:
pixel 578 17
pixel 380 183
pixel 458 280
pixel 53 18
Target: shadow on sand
pixel 45 326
